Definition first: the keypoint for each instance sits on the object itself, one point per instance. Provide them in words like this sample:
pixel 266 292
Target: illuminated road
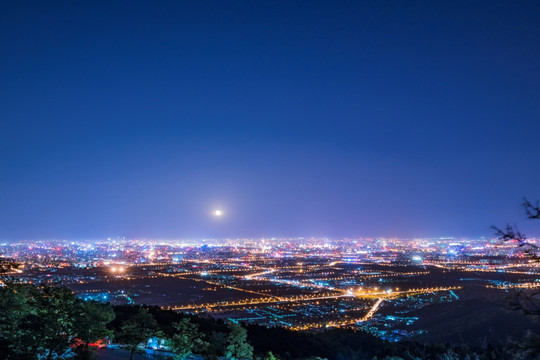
pixel 380 296
pixel 372 311
pixel 258 301
pixel 396 294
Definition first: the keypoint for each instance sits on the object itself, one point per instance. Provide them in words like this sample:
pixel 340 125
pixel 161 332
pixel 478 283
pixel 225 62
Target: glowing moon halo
pixel 218 213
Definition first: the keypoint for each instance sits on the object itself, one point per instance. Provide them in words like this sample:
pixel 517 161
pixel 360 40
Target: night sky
pixel 296 118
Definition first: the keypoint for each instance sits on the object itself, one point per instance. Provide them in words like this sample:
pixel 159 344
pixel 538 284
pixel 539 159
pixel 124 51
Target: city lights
pixel 294 283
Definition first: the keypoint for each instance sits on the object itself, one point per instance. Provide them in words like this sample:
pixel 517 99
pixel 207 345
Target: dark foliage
pixel 331 344
pixel 327 344
pixel 41 322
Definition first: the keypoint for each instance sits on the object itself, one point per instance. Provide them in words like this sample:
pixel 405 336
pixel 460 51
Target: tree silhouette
pixel 270 356
pixel 187 339
pixel 17 337
pixel 527 300
pixel 55 319
pixel 42 322
pixel 217 344
pixel 136 329
pixel 91 325
pixel 237 345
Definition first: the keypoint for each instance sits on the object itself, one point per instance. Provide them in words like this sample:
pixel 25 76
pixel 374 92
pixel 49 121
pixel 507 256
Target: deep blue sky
pixel 391 118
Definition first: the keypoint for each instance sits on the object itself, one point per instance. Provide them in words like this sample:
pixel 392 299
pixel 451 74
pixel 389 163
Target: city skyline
pixel 372 285
pixel 342 119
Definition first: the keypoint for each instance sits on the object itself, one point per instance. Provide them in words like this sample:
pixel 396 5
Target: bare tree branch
pixel 525 300
pixel 511 233
pixel 532 211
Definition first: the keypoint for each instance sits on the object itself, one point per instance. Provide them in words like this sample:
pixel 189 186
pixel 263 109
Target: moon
pixel 218 213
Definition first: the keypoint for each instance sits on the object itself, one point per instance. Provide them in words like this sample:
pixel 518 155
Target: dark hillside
pixel 473 322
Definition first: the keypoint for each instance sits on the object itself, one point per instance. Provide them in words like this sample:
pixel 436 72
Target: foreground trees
pixel 46 322
pixel 17 340
pixel 237 345
pixel 187 339
pixel 91 326
pixel 137 329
